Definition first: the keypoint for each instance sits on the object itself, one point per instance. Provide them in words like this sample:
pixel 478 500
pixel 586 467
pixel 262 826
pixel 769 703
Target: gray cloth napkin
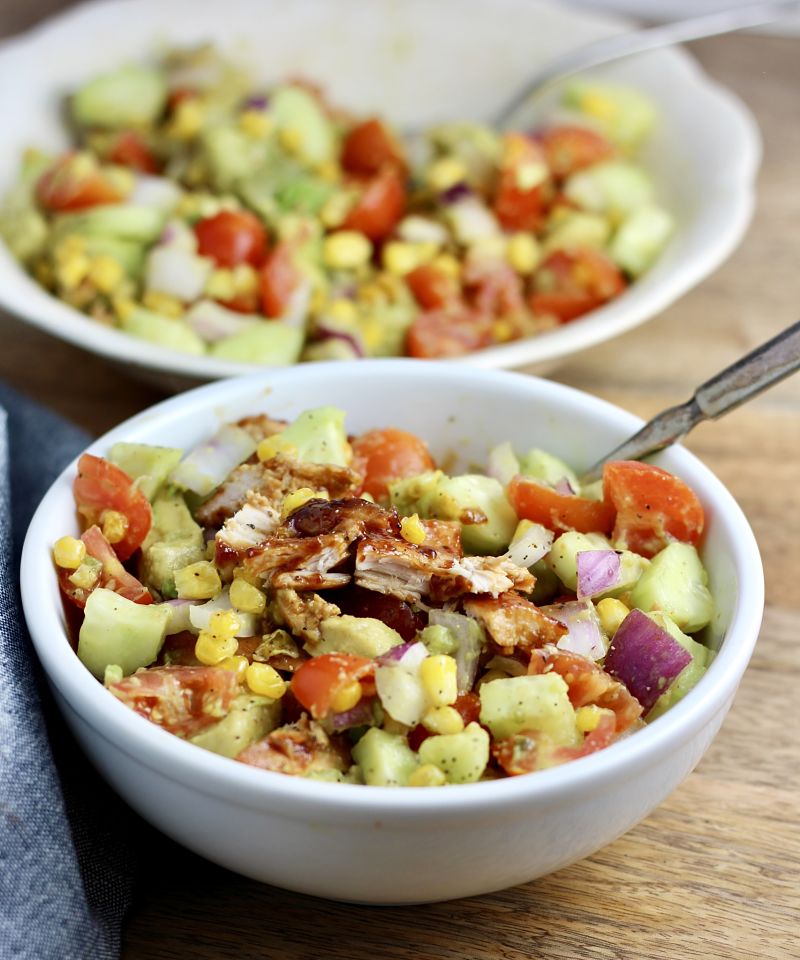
pixel 66 840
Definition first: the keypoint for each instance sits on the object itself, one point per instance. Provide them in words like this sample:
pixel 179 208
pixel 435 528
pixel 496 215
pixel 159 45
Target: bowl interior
pixel 396 59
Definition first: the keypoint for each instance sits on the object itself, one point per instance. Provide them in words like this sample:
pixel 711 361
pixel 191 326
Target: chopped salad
pixel 342 609
pixel 205 214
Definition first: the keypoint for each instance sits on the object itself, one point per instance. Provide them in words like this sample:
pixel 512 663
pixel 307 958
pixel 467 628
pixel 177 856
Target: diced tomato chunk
pixel 432 288
pixel 559 511
pixel 279 279
pixel 74 182
pixel 571 148
pixel 101 486
pixel 570 283
pixel 369 147
pixel 113 576
pixel 524 187
pixel 381 205
pixel 448 333
pixel 384 456
pixel 232 237
pixel 130 150
pixel 319 679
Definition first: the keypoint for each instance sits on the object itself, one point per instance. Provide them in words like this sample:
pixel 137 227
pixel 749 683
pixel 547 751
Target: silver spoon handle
pixel 749 376
pixel 639 41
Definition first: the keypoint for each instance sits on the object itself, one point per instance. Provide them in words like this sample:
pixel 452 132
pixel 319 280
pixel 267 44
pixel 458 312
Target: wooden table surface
pixel 714 873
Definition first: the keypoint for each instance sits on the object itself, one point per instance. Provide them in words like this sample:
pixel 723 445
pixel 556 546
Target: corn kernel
pixel 611 612
pixel 335 209
pixel 221 285
pixel 587 718
pixel 445 173
pixel 245 278
pixel 163 303
pixel 443 720
pixel 198 581
pixel 224 624
pixel 346 250
pixel 68 552
pixel 211 650
pixel 427 775
pixel 346 697
pixel 412 530
pixel 522 252
pixel 273 446
pixel 598 105
pixel 106 274
pixel 400 258
pixel 293 501
pixel 265 681
pixel 329 171
pixel 123 307
pixel 256 124
pixel 87 574
pixel 235 664
pixel 72 271
pixel 291 140
pixel 438 676
pixel 114 525
pixel 247 598
pixel 343 311
pixel 503 331
pixel 447 264
pixel 188 119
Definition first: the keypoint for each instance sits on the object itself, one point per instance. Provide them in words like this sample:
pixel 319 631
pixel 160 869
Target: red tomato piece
pixel 101 486
pixel 570 148
pixel 494 289
pixel 387 455
pixel 653 507
pixel 524 187
pixel 279 280
pixel 369 147
pixel 448 333
pixel 113 576
pixel 433 288
pixel 130 150
pixel 74 182
pixel 381 205
pixel 242 302
pixel 319 679
pixel 232 237
pixel 559 511
pixel 469 706
pixel 570 283
pixel 182 700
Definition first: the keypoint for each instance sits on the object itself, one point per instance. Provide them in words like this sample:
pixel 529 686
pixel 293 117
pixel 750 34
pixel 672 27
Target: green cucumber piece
pixel 249 719
pixel 385 759
pixel 272 343
pixel 462 757
pixel 164 331
pixel 538 702
pixel 148 464
pixel 119 631
pixel 132 96
pixel 676 584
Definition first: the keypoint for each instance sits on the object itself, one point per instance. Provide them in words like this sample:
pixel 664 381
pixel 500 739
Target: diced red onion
pixel 395 654
pixel 469 635
pixel 455 193
pixel 533 544
pixel 212 322
pixel 503 463
pixel 585 635
pixel 177 273
pixel 645 658
pixel 598 572
pixel 325 333
pixel 259 101
pixel 360 714
pixel 208 464
pixel 565 487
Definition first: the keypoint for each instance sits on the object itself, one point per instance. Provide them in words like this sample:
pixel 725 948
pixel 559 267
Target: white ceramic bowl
pixel 415 62
pixel 378 844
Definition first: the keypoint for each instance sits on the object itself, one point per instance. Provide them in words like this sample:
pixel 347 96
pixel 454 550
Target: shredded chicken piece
pixel 253 523
pixel 296 749
pixel 302 613
pixel 514 622
pixel 261 426
pixel 492 575
pixel 302 563
pixel 443 535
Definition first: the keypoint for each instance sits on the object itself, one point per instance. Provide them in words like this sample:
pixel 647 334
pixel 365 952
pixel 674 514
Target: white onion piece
pixel 296 312
pixel 178 615
pixel 157 192
pixel 585 634
pixel 472 221
pixel 530 546
pixel 469 634
pixel 598 572
pixel 212 322
pixel 411 660
pixel 416 229
pixel 400 693
pixel 178 234
pixel 177 273
pixel 200 616
pixel 208 464
pixel 503 463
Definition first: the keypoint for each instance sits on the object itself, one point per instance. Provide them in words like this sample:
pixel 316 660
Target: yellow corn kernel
pixel 503 331
pixel 335 209
pixel 343 311
pixel 265 681
pixel 114 525
pixel 68 552
pixel 211 650
pixel 221 285
pixel 272 446
pixel 400 258
pixel 522 252
pixel 188 119
pixel 163 303
pixel 612 613
pixel 293 501
pixel 123 307
pixel 346 250
pixel 72 271
pixel 443 720
pixel 256 124
pixel 245 278
pixel 427 776
pixel 247 598
pixel 438 676
pixel 224 624
pixel 445 173
pixel 598 105
pixel 121 178
pixel 72 245
pixel 241 573
pixel 329 171
pixel 105 273
pixel 346 697
pixel 446 263
pixel 198 581
pixel 412 530
pixel 291 140
pixel 587 718
pixel 235 664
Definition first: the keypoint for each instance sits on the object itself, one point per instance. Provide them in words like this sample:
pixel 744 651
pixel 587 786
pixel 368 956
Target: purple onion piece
pixel 565 487
pixel 645 658
pixel 359 715
pixel 459 191
pixel 258 101
pixel 395 654
pixel 598 571
pixel 332 333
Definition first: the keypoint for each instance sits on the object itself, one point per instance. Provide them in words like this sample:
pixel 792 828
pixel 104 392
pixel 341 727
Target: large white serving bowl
pixel 415 62
pixel 379 844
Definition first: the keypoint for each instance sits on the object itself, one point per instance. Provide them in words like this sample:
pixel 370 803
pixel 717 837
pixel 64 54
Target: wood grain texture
pixel 714 873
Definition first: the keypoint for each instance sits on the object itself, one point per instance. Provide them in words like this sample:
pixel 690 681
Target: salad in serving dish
pixel 207 215
pixel 341 608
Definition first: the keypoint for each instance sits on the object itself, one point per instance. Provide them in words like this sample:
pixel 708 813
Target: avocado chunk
pixel 132 96
pixel 546 468
pixel 539 703
pixel 691 673
pixel 122 221
pixel 362 636
pixel 119 631
pixel 298 113
pixel 174 541
pixel 271 343
pixel 148 464
pixel 676 584
pixel 640 238
pixel 462 757
pixel 250 718
pixel 414 494
pixel 386 760
pixel 318 436
pixel 163 331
